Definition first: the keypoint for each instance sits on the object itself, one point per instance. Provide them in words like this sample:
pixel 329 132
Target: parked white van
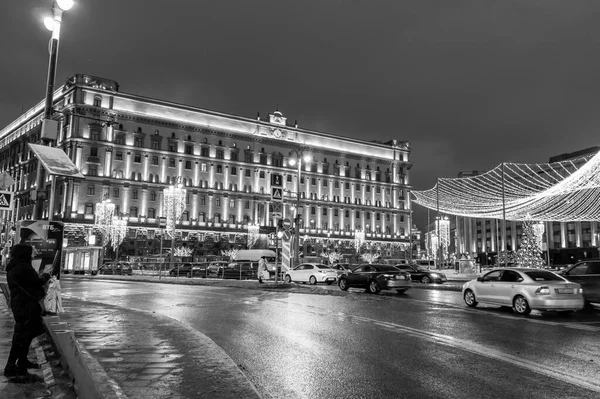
pixel 254 255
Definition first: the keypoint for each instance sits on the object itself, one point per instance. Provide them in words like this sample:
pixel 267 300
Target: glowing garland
pixel 174 203
pixel 560 191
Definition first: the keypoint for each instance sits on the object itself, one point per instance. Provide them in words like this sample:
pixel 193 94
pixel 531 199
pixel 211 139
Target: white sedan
pixel 524 289
pixel 312 273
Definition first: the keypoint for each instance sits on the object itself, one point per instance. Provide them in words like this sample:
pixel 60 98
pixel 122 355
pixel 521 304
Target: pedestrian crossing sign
pixel 6 200
pixel 276 194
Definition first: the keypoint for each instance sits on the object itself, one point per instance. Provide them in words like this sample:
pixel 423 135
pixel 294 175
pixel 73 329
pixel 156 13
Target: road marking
pixel 572 325
pixel 486 352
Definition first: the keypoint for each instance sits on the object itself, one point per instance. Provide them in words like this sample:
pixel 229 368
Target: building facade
pixel 131 148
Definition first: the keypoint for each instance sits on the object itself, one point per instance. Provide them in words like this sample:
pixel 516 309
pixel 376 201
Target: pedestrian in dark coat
pixel 26 290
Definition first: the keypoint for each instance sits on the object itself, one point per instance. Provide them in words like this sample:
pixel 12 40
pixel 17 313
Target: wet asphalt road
pixel 424 344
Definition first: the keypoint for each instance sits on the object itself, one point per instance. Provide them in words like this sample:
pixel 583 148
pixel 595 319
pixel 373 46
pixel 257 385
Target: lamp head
pixel 306 158
pixel 65 5
pixel 49 23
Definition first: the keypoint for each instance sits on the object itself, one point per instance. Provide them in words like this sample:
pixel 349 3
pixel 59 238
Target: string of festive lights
pixel 559 191
pixel 359 239
pixel 174 201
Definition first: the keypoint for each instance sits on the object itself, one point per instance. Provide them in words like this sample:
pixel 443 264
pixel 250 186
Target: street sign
pixel 6 180
pixel 276 194
pixel 287 223
pixel 6 200
pixel 277 210
pixel 286 235
pixel 276 180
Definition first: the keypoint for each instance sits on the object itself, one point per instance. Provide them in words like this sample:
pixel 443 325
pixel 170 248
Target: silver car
pixel 524 289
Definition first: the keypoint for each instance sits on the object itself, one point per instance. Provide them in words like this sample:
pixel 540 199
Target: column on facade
pixel 196 176
pixel 144 203
pixel 126 198
pixel 225 208
pixel 194 205
pixel 78 155
pixel 210 214
pixel 306 216
pixel 594 231
pixel 513 235
pixel 494 234
pixel 578 234
pixel 330 221
pixel 395 221
pixel 267 213
pixel 163 170
pixel 226 175
pixel 256 181
pixel 319 217
pixel 240 209
pixel 146 167
pixel 107 161
pixel 363 220
pixel 75 197
pixel 128 163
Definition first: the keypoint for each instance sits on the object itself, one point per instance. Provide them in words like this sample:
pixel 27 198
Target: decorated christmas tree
pixel 529 253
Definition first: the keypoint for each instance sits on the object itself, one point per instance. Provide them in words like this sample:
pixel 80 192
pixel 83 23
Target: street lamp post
pixel 50 127
pixel 296 157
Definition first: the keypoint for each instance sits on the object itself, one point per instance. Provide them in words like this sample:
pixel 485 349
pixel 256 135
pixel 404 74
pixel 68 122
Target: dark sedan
pixel 120 268
pixel 375 278
pixel 189 270
pixel 423 274
pixel 587 274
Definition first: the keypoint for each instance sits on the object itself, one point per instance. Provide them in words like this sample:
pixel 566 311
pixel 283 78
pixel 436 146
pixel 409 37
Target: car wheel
pixel 312 280
pixel 374 287
pixel 188 275
pixel 343 284
pixel 469 298
pixel 426 280
pixel 288 278
pixel 521 306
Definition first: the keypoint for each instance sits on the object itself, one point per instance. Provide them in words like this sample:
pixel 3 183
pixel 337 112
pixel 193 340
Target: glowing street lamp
pixel 296 158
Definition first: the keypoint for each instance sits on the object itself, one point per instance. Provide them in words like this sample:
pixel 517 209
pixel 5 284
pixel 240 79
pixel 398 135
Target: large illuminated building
pixel 131 148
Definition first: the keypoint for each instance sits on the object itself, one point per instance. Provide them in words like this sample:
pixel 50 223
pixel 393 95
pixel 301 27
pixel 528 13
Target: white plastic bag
pixel 53 301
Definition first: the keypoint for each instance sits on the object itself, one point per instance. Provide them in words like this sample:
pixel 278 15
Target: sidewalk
pixel 47 382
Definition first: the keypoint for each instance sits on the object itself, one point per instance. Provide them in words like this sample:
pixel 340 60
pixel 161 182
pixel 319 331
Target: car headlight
pixel 580 290
pixel 434 275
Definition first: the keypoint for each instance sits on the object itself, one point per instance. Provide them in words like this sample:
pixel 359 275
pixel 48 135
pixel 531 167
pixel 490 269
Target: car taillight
pixel 543 290
pixel 579 290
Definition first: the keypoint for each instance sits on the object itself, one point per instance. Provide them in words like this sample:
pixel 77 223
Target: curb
pixel 90 379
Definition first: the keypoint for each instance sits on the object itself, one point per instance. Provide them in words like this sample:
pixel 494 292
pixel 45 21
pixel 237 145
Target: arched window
pixel 89 208
pixel 246 219
pixel 387 230
pixel 185 216
pixel 156 178
pixel 150 177
pixel 217 218
pixel 139 177
pixel 120 175
pixel 232 219
pixel 151 213
pixel 202 217
pixel 114 174
pixel 132 175
pixel 133 211
pixel 313 224
pixel 97 101
pixel 401 231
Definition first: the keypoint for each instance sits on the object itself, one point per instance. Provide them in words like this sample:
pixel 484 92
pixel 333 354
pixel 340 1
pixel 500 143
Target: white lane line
pixel 487 352
pixel 511 317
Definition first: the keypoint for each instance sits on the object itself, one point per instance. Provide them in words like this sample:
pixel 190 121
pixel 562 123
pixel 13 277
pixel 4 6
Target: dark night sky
pixel 470 83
